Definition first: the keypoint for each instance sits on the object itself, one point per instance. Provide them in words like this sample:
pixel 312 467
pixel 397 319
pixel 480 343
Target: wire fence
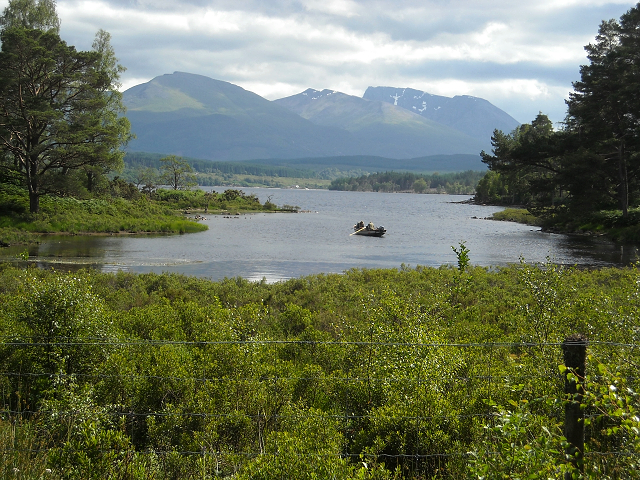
pixel 219 408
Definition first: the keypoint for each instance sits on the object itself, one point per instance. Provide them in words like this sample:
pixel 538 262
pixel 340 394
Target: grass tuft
pixel 519 215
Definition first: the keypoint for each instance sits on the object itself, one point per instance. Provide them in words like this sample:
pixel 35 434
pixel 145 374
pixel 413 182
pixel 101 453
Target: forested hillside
pixel 451 183
pixel 317 172
pixel 137 162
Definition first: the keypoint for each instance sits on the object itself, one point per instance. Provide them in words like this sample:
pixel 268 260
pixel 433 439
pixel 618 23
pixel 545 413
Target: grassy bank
pixel 416 373
pixel 68 215
pixel 610 224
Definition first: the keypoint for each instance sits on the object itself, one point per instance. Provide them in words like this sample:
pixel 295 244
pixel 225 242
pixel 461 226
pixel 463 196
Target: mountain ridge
pixel 386 129
pixel 199 117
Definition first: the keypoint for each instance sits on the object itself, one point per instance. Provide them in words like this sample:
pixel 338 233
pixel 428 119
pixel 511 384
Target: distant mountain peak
pixel 314 94
pixel 471 115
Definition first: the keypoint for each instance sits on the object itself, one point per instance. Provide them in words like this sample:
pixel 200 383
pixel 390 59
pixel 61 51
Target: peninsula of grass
pixel 230 201
pixel 66 215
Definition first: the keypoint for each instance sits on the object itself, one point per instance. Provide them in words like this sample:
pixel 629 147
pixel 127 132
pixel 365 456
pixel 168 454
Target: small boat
pixel 368 230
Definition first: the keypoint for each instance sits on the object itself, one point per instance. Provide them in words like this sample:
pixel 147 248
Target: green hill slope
pixel 368 163
pixel 196 116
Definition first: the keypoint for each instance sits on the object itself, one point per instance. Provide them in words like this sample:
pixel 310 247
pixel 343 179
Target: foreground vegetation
pixel 373 374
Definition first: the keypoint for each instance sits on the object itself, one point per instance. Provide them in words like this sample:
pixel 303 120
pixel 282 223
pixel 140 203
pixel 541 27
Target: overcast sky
pixel 520 55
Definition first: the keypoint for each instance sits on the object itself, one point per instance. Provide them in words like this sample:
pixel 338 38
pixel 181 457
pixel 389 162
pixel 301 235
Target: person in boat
pixel 360 224
pixel 371 226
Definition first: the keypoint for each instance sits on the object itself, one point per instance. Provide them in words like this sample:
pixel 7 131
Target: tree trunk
pixel 34 202
pixel 623 193
pixel 90 181
pixel 33 184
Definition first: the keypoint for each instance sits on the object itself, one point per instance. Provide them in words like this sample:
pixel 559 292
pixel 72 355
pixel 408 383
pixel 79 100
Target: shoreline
pixel 624 235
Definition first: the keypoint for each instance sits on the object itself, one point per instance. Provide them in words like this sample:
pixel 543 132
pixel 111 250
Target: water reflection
pixel 78 247
pixel 598 251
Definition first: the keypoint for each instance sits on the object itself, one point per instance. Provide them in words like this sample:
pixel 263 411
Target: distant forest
pixel 451 183
pixel 345 173
pixel 135 160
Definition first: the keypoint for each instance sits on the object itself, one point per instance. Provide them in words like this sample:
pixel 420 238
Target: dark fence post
pixel 575 352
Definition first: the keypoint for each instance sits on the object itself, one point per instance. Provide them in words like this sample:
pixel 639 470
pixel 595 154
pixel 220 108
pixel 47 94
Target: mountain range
pixel 199 117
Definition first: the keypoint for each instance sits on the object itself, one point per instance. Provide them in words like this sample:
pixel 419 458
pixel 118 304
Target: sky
pixel 522 56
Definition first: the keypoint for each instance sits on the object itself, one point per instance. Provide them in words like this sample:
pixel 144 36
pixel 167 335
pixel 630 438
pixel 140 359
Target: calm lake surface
pixel 421 229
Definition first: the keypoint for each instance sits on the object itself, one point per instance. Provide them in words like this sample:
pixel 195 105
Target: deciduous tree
pixel 38 14
pixel 420 185
pixel 177 173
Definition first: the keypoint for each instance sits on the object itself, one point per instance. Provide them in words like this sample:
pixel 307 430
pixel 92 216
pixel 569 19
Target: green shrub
pixel 374 373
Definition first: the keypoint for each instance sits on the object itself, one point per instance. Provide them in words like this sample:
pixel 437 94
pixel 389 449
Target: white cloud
pixel 551 5
pixel 132 82
pixel 520 56
pixel 344 8
pixel 518 88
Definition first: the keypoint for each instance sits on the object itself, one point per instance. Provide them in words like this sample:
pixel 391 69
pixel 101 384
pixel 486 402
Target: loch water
pixel 421 230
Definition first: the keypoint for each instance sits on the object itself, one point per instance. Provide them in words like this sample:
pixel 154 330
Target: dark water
pixel 421 229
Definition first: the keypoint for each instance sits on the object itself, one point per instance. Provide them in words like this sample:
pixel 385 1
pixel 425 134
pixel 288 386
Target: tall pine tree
pixel 60 111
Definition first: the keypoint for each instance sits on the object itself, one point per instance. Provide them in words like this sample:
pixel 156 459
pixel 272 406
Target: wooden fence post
pixel 575 352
